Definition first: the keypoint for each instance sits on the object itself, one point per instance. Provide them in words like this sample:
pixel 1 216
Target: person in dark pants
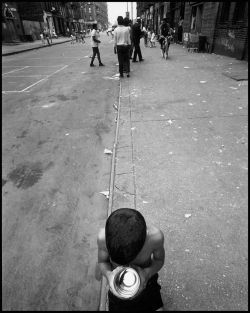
pixel 95 42
pixel 137 34
pixel 121 45
pixel 126 23
pixel 131 37
pixel 180 30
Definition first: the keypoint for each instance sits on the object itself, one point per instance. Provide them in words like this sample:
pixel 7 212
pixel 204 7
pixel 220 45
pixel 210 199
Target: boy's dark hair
pixel 120 20
pixel 126 21
pixel 125 233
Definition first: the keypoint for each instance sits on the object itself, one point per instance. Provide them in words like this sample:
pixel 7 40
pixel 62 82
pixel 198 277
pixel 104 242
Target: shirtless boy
pixel 126 240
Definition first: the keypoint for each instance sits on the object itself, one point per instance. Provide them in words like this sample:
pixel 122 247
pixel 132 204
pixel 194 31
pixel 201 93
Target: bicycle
pixel 165 46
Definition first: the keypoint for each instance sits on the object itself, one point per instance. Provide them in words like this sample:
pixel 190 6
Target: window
pixel 239 11
pixel 90 18
pixel 89 10
pixel 225 9
pixel 196 19
pixel 193 18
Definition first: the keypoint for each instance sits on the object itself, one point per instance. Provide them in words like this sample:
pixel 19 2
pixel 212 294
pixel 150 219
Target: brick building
pixel 25 20
pixel 12 30
pixel 223 24
pixel 102 14
pixel 231 30
pixel 96 12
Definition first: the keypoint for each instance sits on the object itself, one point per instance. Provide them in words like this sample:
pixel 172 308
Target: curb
pixel 29 49
pixel 103 296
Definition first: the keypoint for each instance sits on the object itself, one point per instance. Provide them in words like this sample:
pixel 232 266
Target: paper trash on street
pixel 105 193
pixel 107 151
pixel 203 81
pixel 188 215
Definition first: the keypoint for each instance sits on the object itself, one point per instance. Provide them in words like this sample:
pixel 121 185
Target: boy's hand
pixel 144 277
pixel 111 280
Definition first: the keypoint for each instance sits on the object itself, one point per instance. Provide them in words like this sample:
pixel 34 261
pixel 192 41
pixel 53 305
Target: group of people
pixel 127 42
pixel 149 37
pixel 78 36
pixel 46 35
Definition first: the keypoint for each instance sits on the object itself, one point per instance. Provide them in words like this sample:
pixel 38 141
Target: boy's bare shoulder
pixel 101 242
pixel 155 235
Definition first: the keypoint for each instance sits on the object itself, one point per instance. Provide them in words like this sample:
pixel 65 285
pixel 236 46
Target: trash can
pixel 202 43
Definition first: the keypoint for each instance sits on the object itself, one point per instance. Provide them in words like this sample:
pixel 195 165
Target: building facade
pixel 96 13
pixel 22 21
pixel 101 10
pixel 223 24
pixel 12 30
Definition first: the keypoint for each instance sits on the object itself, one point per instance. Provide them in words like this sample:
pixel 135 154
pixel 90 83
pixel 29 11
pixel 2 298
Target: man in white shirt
pixel 95 43
pixel 122 43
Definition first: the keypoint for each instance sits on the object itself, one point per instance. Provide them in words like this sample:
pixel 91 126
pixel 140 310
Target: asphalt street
pixel 58 118
pixel 179 133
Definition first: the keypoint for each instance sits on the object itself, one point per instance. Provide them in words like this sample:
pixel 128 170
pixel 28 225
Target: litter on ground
pixel 107 151
pixel 105 193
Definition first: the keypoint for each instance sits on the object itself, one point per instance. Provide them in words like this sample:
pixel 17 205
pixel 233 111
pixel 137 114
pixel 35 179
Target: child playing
pixel 149 38
pixel 152 39
pixel 42 38
pixel 126 240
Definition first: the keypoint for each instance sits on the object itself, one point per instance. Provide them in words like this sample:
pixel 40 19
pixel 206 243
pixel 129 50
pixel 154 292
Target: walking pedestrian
pixel 153 39
pixel 137 35
pixel 145 35
pixel 126 22
pixel 121 45
pixel 82 36
pixel 72 36
pixel 131 37
pixel 46 35
pixel 42 38
pixel 95 43
pixel 149 37
pixel 180 30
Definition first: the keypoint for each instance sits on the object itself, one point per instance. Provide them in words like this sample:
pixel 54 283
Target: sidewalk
pixel 9 49
pixel 181 160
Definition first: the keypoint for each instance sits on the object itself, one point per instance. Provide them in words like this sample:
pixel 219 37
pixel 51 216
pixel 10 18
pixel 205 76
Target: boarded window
pixel 239 11
pixel 225 9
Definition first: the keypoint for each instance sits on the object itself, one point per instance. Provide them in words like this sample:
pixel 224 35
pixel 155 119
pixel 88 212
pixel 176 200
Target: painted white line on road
pixel 27 76
pixel 53 58
pixel 12 91
pixel 58 70
pixel 34 65
pixel 19 69
pixel 33 84
pixel 12 66
pixel 45 78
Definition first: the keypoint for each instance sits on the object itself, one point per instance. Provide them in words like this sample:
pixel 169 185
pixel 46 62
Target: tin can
pixel 127 282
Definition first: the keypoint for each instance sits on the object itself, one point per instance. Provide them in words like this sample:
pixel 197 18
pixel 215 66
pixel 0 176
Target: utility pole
pixel 132 3
pixel 127 13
